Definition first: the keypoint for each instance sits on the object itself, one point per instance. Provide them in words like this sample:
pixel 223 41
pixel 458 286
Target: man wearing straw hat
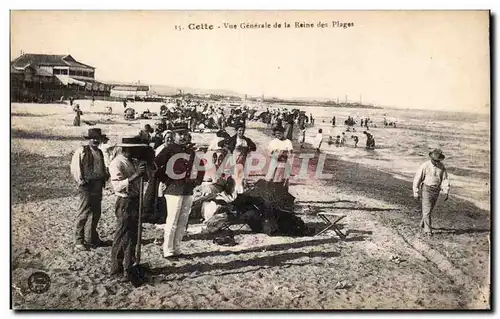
pixel 126 172
pixel 430 179
pixel 89 171
pixel 175 167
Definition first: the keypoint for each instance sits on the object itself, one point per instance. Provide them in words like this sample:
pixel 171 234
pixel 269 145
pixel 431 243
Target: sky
pixel 435 60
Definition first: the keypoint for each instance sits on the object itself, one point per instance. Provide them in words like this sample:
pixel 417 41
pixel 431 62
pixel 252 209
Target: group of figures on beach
pixel 137 159
pixel 141 158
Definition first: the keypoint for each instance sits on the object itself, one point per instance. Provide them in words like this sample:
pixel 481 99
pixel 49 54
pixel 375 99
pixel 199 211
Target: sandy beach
pixel 384 263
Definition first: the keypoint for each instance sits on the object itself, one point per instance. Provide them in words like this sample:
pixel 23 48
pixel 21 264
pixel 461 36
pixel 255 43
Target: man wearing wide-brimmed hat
pixel 125 174
pixel 89 171
pixel 175 168
pixel 430 179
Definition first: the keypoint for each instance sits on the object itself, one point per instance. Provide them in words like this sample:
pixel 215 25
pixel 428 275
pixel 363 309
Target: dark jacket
pixel 230 143
pixel 185 185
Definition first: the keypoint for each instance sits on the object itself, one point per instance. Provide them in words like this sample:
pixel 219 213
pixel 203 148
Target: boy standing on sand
pixel 318 140
pixel 342 141
pixel 430 179
pixel 356 140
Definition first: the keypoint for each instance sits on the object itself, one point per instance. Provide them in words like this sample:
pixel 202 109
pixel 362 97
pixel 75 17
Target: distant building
pixel 53 76
pixel 136 92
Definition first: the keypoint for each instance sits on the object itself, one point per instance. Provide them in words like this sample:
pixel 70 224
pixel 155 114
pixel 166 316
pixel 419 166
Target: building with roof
pixel 136 92
pixel 47 74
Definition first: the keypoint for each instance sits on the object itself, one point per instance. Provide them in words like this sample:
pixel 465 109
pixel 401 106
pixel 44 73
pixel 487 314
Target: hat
pixel 437 155
pixel 132 142
pixel 180 127
pixel 278 129
pixel 95 133
pixel 222 133
pixel 166 132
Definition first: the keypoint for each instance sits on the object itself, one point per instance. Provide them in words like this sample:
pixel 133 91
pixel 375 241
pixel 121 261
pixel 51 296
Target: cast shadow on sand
pixel 36 178
pixel 266 261
pixel 325 201
pixel 29 115
pixel 459 231
pixel 259 263
pixel 314 210
pixel 17 133
pixel 279 247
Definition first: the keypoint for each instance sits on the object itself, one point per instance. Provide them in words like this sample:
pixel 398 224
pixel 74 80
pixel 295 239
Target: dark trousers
pixel 89 212
pixel 125 240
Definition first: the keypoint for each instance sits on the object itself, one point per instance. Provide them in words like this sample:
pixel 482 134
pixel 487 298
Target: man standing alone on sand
pixel 89 171
pixel 126 172
pixel 430 179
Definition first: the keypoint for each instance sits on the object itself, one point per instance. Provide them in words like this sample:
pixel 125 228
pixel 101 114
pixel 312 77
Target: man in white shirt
pixel 280 149
pixel 126 172
pixel 430 179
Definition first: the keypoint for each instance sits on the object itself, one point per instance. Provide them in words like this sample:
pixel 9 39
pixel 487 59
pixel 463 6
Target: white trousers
pixel 178 209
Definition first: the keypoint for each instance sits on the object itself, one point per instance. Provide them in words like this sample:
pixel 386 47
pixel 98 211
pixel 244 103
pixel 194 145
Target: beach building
pixel 53 76
pixel 135 92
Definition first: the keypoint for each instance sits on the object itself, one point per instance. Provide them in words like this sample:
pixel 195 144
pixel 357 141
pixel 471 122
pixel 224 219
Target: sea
pixel 464 138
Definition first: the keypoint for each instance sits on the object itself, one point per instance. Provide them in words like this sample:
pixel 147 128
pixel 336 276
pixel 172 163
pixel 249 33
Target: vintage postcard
pixel 250 160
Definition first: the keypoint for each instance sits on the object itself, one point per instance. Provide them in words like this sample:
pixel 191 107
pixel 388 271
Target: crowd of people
pixel 146 157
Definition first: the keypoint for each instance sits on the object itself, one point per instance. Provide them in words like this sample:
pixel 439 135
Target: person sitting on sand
pixel 78 113
pixel 431 179
pixel 337 141
pixel 356 140
pixel 330 141
pixel 126 173
pixel 109 109
pixel 370 141
pixel 89 171
pixel 318 140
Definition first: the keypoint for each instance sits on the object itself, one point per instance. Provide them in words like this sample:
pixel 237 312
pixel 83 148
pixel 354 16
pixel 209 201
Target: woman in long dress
pixel 78 113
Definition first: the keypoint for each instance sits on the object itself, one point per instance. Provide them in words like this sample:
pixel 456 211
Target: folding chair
pixel 331 221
